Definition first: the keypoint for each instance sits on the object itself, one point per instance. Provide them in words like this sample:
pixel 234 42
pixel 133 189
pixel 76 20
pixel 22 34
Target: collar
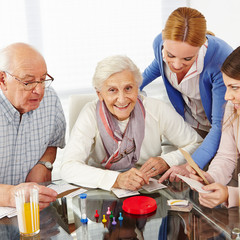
pixel 11 113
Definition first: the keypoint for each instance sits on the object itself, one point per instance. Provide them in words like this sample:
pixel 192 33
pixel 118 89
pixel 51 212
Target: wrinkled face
pixel 32 69
pixel 119 92
pixel 233 91
pixel 179 55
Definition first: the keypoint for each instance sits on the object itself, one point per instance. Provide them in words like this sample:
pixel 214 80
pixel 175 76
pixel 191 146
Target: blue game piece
pixel 120 218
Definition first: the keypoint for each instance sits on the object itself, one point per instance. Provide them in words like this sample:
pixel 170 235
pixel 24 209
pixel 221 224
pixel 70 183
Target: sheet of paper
pixel 120 193
pixel 7 211
pixel 77 192
pixel 193 184
pixel 153 185
pixel 60 188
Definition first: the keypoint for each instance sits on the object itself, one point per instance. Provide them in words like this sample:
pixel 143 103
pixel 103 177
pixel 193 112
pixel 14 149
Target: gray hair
pixel 114 64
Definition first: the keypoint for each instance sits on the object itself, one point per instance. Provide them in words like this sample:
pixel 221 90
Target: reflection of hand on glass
pixel 48 224
pixel 130 228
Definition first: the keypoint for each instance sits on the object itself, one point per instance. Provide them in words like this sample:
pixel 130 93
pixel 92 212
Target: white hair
pixel 114 64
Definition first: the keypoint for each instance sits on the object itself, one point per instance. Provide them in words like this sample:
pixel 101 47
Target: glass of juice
pixel 27 206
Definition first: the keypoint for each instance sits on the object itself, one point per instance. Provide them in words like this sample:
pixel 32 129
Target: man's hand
pixel 38 174
pixel 171 173
pixel 154 166
pixel 218 196
pixel 46 195
pixel 133 180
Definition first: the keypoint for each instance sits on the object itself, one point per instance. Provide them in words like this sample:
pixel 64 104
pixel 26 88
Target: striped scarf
pixel 122 149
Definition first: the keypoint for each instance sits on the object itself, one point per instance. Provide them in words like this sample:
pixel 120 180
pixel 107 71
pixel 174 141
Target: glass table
pixel 62 219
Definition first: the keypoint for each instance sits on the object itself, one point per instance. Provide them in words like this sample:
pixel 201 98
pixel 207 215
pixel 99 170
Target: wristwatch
pixel 48 165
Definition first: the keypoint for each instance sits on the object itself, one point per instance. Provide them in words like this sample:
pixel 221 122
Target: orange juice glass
pixel 28 210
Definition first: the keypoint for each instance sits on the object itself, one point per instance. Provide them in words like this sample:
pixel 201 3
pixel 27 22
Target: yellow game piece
pixel 104 220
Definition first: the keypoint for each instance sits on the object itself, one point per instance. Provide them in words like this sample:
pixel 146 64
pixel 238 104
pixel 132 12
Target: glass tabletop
pixel 62 220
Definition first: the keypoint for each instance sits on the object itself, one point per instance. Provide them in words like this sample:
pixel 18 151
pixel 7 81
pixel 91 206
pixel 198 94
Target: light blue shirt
pixel 23 143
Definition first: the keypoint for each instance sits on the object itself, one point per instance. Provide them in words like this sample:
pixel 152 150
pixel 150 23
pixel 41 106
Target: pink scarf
pixel 122 149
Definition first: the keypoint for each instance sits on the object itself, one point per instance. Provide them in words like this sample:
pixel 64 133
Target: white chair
pixel 76 103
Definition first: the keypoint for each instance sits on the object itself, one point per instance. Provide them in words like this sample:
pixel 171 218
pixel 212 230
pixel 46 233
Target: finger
pixel 165 176
pixel 143 177
pixel 172 177
pixel 43 205
pixel 46 199
pixel 195 177
pixel 146 166
pixel 47 191
pixel 190 169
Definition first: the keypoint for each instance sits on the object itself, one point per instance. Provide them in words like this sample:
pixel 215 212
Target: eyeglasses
pixel 29 84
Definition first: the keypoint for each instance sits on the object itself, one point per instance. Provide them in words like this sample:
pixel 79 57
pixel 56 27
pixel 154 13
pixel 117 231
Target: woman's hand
pixel 193 174
pixel 171 173
pixel 133 180
pixel 218 195
pixel 154 166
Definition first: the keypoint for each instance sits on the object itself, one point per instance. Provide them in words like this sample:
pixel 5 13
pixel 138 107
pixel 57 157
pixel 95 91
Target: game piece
pixel 114 222
pixel 111 216
pixel 120 218
pixel 108 211
pixel 83 197
pixel 104 220
pixel 96 215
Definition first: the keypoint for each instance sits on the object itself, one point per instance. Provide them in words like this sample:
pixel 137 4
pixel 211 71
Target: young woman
pixel 188 58
pixel 222 166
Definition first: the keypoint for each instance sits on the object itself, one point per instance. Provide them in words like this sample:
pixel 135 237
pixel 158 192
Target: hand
pixel 218 196
pixel 171 173
pixel 39 173
pixel 46 195
pixel 154 166
pixel 133 179
pixel 193 174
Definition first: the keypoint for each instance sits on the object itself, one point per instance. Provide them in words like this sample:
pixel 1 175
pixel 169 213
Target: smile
pixel 122 107
pixel 236 105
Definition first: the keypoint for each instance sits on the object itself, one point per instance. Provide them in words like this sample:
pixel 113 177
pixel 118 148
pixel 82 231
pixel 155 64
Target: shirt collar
pixel 198 64
pixel 9 110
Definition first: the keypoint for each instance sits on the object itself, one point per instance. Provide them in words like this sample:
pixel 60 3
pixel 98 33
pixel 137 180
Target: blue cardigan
pixel 211 87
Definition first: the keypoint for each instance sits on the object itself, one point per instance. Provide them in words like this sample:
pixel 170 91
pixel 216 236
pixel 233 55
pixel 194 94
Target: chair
pixel 76 103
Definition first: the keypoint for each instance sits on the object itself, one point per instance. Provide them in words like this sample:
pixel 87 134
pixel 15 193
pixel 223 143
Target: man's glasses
pixel 29 84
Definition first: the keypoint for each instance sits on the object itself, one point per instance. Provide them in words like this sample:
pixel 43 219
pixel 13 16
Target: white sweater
pixel 84 151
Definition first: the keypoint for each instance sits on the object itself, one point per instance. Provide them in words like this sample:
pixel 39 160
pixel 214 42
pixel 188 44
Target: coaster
pixel 139 205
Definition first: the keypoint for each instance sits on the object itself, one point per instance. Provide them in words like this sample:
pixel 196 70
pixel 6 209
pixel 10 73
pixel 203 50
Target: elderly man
pixel 32 122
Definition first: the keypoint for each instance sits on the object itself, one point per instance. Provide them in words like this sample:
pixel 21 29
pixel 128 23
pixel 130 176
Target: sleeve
pixel 74 168
pixel 224 163
pixel 153 70
pixel 210 144
pixel 179 133
pixel 150 73
pixel 233 197
pixel 209 147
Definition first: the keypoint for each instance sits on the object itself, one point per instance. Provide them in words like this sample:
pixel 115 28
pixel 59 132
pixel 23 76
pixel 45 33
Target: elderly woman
pixel 114 136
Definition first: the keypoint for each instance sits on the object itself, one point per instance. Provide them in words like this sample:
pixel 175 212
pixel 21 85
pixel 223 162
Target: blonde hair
pixel 186 25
